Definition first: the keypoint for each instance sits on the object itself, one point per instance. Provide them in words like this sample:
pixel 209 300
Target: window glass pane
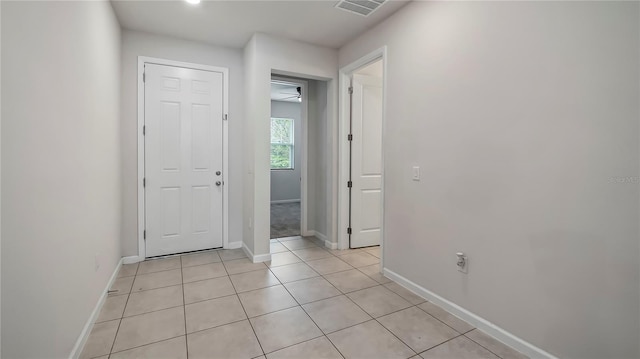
pixel 281 156
pixel 281 130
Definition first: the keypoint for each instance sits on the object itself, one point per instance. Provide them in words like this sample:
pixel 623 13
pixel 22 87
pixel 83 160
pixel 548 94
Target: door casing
pixel 343 144
pixel 142 60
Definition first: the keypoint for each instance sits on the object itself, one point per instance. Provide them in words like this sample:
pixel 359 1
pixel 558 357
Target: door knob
pixel 218 183
pixel 218 173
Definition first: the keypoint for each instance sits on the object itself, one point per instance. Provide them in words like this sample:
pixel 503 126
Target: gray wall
pixel 136 44
pixel 319 180
pixel 61 171
pixel 524 119
pixel 285 184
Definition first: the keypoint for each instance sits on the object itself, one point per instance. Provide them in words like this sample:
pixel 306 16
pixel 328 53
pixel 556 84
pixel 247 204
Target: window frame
pixel 291 145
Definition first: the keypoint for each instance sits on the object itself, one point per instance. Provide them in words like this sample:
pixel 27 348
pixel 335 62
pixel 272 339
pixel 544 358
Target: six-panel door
pixel 183 159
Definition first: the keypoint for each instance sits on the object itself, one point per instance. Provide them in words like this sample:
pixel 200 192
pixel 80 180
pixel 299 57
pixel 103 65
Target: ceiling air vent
pixel 360 7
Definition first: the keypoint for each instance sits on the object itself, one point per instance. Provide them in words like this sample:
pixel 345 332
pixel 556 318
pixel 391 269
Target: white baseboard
pixel 285 201
pixel 234 245
pixel 86 331
pixel 493 330
pixel 132 259
pixel 256 258
pixel 323 237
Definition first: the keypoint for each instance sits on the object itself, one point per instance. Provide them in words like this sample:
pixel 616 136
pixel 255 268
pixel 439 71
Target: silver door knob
pixel 218 183
pixel 218 173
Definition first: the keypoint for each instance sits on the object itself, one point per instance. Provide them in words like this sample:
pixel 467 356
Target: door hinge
pixel 349 137
pixel 349 184
pixel 350 90
pixel 144 182
pixel 144 234
pixel 144 77
pixel 144 130
pixel 225 117
pixel 349 230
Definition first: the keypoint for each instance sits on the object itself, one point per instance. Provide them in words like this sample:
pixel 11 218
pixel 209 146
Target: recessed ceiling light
pixel 193 2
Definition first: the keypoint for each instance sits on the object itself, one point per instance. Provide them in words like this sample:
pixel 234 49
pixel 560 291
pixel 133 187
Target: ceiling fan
pixel 297 95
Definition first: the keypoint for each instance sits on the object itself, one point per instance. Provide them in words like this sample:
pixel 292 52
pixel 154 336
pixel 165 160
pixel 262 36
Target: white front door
pixel 366 165
pixel 183 159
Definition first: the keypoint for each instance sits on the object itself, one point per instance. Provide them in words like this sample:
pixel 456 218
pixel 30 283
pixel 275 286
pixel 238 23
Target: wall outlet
pixel 462 262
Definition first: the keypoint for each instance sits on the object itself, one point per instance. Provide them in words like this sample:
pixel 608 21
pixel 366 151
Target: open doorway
pixel 362 201
pixel 287 157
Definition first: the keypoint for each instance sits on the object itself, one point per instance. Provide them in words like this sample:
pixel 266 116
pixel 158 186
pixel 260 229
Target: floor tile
pixel 341 252
pixel 490 343
pixel 286 239
pixel 207 289
pixel 329 265
pixel 446 317
pixel 374 251
pixel 373 272
pixel 309 254
pixel 213 313
pixel 319 348
pixel 335 313
pixel 293 272
pixel 112 308
pixel 157 265
pixel 197 259
pixel 369 340
pixel 266 300
pixel 235 340
pixel 404 293
pixel 284 328
pixel 149 328
pixel 242 265
pixel 317 241
pixel 231 254
pixel 378 301
pixel 121 286
pixel 360 259
pixel 349 281
pixel 128 270
pixel 154 299
pixel 298 244
pixel 277 247
pixel 157 280
pixel 284 258
pixel 253 280
pixel 310 290
pixel 100 340
pixel 205 271
pixel 175 348
pixel 417 329
pixel 458 348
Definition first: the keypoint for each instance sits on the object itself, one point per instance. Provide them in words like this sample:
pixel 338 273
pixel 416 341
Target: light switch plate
pixel 416 173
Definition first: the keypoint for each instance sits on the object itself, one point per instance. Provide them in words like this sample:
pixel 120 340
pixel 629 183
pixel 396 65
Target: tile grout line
pixel 313 321
pixel 246 315
pixel 465 335
pixel 113 344
pixel 184 310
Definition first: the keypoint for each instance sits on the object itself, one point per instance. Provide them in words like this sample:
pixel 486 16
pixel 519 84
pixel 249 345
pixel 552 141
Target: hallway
pixel 307 302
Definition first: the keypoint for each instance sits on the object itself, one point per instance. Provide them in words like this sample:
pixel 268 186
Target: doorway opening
pixel 288 157
pixel 361 210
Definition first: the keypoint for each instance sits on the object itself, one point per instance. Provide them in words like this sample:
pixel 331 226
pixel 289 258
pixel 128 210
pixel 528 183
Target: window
pixel 282 144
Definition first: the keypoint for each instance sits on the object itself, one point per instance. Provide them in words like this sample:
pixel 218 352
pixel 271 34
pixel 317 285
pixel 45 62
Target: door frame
pixel 142 60
pixel 343 144
pixel 304 153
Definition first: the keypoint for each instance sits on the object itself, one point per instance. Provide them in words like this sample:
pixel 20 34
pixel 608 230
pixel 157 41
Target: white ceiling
pixel 232 22
pixel 284 92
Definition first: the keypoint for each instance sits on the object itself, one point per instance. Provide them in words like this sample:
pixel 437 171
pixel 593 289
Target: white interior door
pixel 366 161
pixel 183 159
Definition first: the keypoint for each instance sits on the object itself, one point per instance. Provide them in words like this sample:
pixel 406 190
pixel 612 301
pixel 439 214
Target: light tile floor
pixel 308 302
